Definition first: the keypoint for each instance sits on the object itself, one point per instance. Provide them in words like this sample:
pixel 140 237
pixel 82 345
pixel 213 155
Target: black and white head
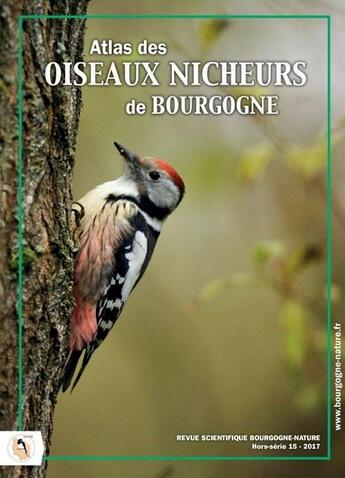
pixel 156 181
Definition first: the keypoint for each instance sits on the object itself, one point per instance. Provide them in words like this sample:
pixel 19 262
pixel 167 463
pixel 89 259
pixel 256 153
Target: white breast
pixel 136 258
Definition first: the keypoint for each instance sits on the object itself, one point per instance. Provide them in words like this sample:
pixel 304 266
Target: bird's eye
pixel 154 175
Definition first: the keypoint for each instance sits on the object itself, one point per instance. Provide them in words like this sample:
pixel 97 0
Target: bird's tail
pixel 88 352
pixel 69 369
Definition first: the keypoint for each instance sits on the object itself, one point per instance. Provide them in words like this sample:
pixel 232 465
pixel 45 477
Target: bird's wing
pixel 99 237
pixel 131 254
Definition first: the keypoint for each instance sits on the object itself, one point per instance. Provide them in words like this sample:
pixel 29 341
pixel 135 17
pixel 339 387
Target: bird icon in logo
pixel 21 448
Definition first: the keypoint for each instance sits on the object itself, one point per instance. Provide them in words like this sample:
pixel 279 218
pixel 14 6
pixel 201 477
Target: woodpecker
pixel 117 225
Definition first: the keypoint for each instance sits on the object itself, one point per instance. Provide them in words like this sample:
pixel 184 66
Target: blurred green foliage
pixel 278 268
pixel 210 31
pixel 294 322
pixel 254 161
pixel 267 250
pixel 308 161
pixel 308 397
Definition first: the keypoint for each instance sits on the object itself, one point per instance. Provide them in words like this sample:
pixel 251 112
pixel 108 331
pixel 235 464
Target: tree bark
pixel 50 124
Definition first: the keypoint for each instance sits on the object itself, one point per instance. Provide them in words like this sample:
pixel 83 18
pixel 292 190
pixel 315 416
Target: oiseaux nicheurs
pixel 116 228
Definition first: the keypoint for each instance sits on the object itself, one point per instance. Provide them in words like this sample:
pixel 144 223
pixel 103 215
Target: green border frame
pixel 108 458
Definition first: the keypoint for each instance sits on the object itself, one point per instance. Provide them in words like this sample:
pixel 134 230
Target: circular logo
pixel 21 447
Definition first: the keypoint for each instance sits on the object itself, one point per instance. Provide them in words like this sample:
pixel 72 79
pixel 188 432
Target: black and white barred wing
pixel 131 261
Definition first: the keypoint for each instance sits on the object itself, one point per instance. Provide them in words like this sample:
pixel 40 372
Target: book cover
pixel 172 265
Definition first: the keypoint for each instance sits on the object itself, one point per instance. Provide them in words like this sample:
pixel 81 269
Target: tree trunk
pixel 50 124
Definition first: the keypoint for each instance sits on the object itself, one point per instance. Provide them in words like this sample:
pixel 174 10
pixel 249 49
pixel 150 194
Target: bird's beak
pixel 132 160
